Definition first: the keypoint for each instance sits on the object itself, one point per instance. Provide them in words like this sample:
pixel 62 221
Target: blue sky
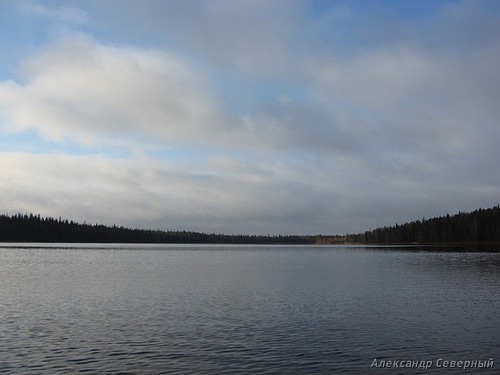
pixel 239 116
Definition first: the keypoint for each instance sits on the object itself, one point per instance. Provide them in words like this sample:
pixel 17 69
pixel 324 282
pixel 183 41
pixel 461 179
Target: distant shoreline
pixel 441 247
pixel 480 228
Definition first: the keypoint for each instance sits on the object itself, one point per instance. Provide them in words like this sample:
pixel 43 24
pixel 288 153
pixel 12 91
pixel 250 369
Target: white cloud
pixel 63 14
pixel 94 94
pixel 80 90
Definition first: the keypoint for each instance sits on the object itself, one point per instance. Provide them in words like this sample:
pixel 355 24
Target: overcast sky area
pixel 248 116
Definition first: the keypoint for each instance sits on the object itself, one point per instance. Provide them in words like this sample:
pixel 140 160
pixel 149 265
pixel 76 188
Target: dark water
pixel 245 310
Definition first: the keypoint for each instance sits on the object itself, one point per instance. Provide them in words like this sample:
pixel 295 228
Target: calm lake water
pixel 138 309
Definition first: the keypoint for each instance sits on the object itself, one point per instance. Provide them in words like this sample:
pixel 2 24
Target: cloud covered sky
pixel 249 116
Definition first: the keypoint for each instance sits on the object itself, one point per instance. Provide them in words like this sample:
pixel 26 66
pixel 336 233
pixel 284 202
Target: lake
pixel 209 309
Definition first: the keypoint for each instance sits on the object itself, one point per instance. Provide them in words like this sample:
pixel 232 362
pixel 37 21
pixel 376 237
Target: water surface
pixel 139 309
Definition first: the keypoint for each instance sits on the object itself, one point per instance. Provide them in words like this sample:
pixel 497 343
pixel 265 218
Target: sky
pixel 249 116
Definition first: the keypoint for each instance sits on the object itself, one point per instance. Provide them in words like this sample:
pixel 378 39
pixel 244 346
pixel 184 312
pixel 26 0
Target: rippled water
pixel 140 309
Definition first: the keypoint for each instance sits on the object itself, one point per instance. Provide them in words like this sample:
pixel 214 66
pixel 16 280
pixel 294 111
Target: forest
pixel 34 228
pixel 478 227
pixel 481 226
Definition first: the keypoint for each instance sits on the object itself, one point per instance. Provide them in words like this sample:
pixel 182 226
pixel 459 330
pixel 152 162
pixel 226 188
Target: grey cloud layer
pixel 148 194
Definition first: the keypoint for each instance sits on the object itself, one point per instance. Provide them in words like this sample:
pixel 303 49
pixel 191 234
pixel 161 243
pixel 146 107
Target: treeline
pixel 480 226
pixel 33 228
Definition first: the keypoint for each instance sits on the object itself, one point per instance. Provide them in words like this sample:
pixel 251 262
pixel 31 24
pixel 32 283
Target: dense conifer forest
pixel 33 228
pixel 478 227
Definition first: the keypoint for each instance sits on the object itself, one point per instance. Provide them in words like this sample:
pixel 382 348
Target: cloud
pixel 232 197
pixel 414 101
pixel 253 36
pixel 381 78
pixel 80 90
pixel 256 117
pixel 63 14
